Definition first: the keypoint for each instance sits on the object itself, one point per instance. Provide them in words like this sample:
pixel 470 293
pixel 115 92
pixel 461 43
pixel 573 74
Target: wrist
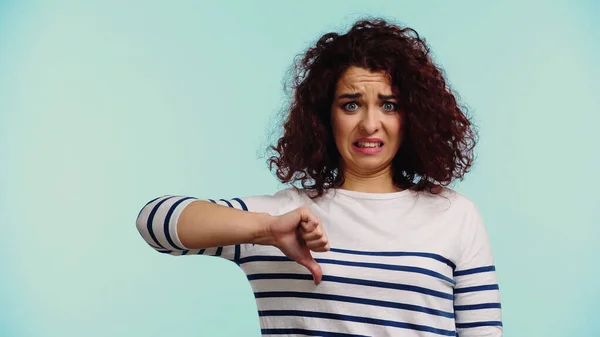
pixel 262 229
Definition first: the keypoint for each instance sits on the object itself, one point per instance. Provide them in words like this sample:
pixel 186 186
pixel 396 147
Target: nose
pixel 369 122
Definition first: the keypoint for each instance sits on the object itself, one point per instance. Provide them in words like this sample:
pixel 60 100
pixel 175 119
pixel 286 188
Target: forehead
pixel 359 79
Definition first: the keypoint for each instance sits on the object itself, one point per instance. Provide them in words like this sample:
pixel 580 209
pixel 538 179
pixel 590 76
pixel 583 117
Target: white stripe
pixel 223 203
pixel 475 280
pixel 142 220
pixel 357 309
pixel 174 222
pixel 417 261
pixel 236 204
pixel 375 275
pixel 391 276
pixel 477 297
pixel 210 251
pixel 339 326
pixel 381 294
pixel 158 223
pixel 469 316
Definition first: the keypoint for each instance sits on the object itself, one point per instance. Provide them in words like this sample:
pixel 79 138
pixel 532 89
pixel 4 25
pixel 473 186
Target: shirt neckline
pixel 373 196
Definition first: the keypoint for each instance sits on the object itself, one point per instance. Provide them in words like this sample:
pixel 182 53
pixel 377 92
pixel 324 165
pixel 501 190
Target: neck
pixel 379 182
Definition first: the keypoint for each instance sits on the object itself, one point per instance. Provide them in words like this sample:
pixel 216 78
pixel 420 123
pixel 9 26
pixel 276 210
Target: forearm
pixel 205 225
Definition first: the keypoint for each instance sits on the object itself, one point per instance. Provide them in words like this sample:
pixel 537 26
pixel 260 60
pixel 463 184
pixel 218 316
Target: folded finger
pixel 321 249
pixel 318 243
pixel 309 226
pixel 314 235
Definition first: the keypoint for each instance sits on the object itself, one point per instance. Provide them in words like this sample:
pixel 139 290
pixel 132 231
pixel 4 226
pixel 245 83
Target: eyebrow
pixel 357 95
pixel 351 96
pixel 386 97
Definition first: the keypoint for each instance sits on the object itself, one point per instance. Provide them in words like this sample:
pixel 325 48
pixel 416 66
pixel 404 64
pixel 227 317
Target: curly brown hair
pixel 438 136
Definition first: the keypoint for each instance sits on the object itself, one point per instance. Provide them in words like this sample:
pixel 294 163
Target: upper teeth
pixel 369 144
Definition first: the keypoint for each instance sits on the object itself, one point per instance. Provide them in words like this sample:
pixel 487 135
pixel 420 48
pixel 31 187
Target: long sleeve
pixel 157 221
pixel 477 295
pixel 157 224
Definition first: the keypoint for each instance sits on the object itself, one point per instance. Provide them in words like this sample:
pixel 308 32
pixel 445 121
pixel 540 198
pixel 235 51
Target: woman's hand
pixel 298 232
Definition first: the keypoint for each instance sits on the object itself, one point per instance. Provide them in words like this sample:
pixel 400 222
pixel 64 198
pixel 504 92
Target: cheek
pixel 340 129
pixel 400 131
pixel 395 125
pixel 395 129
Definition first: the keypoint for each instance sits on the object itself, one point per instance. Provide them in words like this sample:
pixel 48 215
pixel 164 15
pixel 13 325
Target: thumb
pixel 315 269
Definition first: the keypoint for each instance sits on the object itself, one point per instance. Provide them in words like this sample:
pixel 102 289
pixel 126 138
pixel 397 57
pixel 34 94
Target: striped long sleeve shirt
pixel 400 264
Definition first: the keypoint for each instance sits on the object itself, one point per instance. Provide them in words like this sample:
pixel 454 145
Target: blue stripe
pixel 478 324
pixel 236 256
pixel 477 288
pixel 227 202
pixel 307 333
pixel 419 254
pixel 183 252
pixel 474 271
pixel 358 300
pixel 237 248
pixel 151 219
pixel 358 319
pixel 477 306
pixel 214 202
pixel 337 279
pixel 201 251
pixel 354 264
pixel 168 220
pixel 148 203
pixel 243 204
pixel 151 201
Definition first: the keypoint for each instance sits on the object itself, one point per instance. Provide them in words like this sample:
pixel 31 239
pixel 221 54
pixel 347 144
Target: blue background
pixel 105 105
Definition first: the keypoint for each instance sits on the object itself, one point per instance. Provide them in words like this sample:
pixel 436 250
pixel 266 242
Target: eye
pixel 350 106
pixel 389 106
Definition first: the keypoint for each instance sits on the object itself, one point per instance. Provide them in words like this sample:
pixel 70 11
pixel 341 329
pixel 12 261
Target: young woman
pixel 374 243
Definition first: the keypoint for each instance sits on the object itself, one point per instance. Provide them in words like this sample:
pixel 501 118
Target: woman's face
pixel 367 125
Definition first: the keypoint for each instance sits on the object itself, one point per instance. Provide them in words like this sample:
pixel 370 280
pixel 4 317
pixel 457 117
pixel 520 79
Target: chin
pixel 370 164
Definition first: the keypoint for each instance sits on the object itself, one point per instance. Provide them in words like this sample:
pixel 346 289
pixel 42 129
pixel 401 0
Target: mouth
pixel 368 144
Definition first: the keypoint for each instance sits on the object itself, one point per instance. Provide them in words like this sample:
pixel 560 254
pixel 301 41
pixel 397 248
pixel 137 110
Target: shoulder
pixel 460 201
pixel 455 210
pixel 462 217
pixel 279 202
pixel 449 201
pixel 464 213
